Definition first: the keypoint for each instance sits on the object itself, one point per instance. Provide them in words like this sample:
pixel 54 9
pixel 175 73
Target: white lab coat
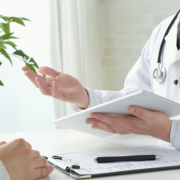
pixel 140 76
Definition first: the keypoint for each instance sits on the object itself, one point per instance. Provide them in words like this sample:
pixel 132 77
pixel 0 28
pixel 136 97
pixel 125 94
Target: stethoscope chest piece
pixel 159 74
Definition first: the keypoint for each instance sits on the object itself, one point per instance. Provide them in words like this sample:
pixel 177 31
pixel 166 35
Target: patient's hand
pixel 59 85
pixel 22 162
pixel 2 143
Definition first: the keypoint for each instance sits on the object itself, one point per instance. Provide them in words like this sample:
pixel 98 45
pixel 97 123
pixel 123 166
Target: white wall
pixel 22 107
pixel 126 25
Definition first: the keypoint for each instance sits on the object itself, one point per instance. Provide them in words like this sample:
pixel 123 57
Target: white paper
pixel 171 157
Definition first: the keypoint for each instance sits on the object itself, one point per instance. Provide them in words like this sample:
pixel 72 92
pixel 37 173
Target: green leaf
pixel 21 53
pixel 34 63
pixel 3 47
pixel 25 19
pixel 31 67
pixel 5 18
pixel 0 63
pixel 8 36
pixel 1 83
pixel 11 44
pixel 5 36
pixel 1 25
pixel 6 55
pixel 1 42
pixel 17 20
pixel 12 37
pixel 6 28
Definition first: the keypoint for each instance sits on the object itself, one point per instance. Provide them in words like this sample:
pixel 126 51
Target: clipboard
pixel 119 107
pixel 90 169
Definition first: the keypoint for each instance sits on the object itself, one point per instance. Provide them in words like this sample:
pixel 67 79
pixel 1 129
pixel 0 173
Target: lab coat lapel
pixel 170 48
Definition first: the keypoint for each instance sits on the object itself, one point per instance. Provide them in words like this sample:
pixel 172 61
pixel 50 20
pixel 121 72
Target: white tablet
pixel 119 107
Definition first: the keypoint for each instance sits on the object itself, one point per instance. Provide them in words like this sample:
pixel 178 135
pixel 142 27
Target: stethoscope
pixel 160 73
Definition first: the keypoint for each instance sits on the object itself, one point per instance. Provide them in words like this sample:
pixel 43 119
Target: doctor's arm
pixel 137 79
pixel 67 88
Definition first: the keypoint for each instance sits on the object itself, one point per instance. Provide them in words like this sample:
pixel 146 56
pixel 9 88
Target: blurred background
pixel 96 41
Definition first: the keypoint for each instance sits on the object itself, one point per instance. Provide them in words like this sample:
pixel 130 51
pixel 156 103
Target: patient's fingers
pixel 42 172
pixel 2 143
pixel 48 71
pixel 42 85
pixel 39 162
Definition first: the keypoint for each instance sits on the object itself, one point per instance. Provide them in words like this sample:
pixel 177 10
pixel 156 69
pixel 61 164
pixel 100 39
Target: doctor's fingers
pixel 49 72
pixel 32 76
pixel 112 120
pixel 26 69
pixel 101 125
pixel 42 85
pixel 142 113
pixel 106 127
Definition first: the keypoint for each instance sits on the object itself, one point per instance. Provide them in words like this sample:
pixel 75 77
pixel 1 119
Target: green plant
pixel 6 37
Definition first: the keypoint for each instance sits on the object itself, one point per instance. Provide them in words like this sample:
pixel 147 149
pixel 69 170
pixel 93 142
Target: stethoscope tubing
pixel 166 33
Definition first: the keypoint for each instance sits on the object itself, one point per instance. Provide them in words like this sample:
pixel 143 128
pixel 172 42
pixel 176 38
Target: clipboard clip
pixel 73 166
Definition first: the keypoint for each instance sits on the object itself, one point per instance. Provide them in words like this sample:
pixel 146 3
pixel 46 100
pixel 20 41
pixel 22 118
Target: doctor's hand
pixel 21 162
pixel 59 85
pixel 141 121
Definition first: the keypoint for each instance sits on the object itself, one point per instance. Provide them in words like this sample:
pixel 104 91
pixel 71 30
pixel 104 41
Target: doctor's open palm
pixel 59 85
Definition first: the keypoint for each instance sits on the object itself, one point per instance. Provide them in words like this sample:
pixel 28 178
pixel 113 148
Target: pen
pixel 127 158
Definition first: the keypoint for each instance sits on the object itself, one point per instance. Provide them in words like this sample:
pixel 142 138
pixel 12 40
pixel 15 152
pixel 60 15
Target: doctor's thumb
pixel 139 112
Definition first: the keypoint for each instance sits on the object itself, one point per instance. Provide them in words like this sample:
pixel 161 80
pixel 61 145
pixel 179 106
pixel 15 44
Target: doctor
pixel 157 70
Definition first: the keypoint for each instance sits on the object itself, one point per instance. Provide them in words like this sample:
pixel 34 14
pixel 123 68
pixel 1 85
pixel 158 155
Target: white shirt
pixel 140 76
pixel 3 173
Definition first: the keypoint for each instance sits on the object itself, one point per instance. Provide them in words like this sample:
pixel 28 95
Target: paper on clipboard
pixel 170 159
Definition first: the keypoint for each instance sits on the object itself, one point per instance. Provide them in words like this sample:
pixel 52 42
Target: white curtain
pixel 75 44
